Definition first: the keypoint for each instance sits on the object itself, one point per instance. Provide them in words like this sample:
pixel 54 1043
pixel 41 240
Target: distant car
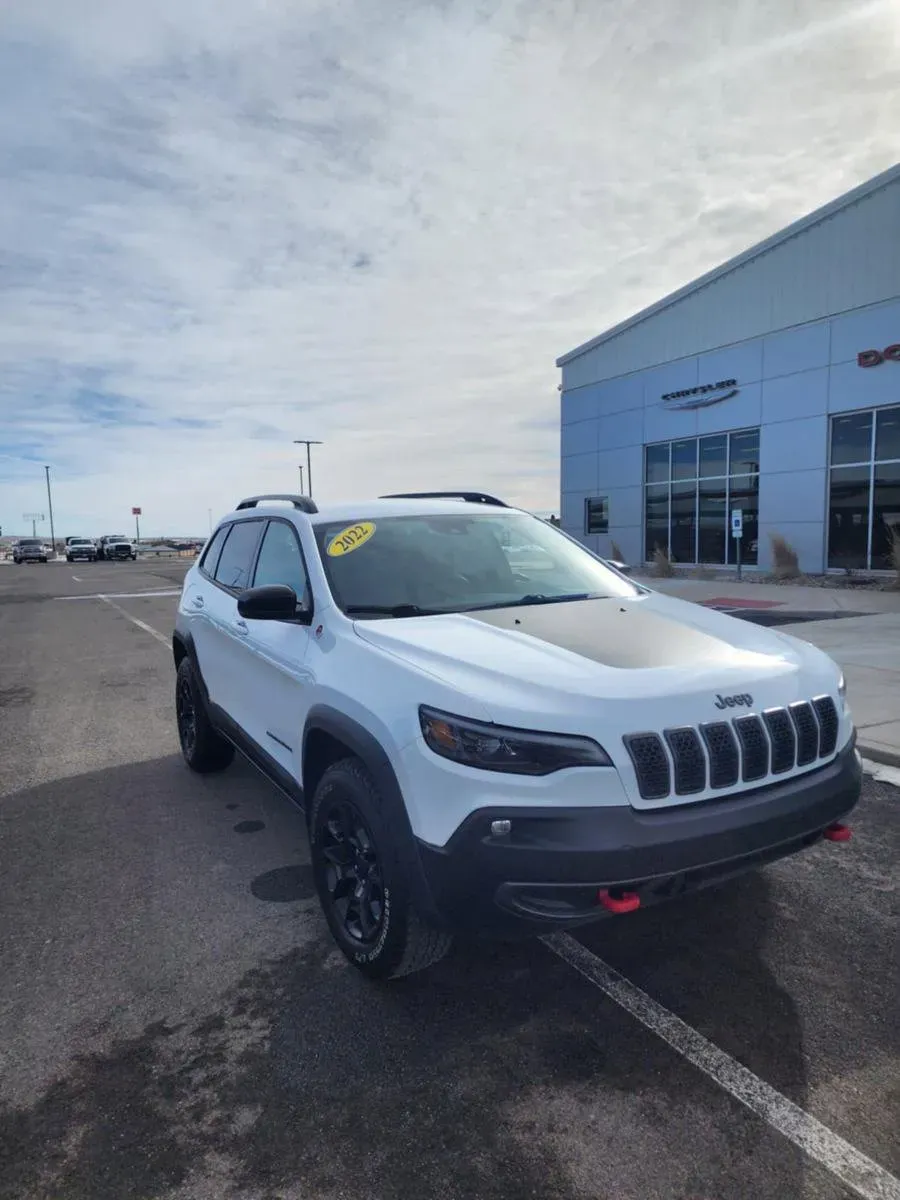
pixel 80 550
pixel 29 550
pixel 114 547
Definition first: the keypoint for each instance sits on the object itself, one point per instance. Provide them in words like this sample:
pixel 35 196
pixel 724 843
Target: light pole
pixel 301 479
pixel 33 518
pixel 50 510
pixel 307 443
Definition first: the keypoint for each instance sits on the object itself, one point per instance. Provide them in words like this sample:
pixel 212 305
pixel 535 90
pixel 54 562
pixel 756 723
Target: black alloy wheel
pixel 353 877
pixel 186 715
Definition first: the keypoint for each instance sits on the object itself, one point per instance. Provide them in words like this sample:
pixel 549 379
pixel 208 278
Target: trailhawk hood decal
pixel 548 660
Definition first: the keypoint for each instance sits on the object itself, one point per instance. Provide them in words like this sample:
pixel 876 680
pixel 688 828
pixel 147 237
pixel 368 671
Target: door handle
pixel 241 627
pixel 197 601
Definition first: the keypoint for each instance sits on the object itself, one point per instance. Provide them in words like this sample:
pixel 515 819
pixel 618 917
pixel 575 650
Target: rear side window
pixel 213 550
pixel 281 560
pixel 236 560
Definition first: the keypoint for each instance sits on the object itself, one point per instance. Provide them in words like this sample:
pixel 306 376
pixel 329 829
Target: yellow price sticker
pixel 350 539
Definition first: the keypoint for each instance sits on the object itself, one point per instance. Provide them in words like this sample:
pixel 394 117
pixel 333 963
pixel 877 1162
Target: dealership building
pixel 769 388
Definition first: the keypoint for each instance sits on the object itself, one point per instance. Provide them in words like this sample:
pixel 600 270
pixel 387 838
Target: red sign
pixel 135 512
pixel 874 358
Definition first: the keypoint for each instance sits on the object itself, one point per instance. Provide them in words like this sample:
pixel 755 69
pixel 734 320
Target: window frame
pixel 588 501
pixel 306 613
pixel 870 465
pixel 202 565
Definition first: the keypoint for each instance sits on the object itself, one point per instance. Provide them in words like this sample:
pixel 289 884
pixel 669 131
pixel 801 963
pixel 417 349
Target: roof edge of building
pixel 875 184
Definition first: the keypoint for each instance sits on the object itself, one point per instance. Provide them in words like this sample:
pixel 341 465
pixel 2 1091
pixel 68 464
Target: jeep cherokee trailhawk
pixel 489 741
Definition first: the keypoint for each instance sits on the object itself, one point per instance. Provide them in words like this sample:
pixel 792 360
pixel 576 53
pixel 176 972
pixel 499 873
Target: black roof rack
pixel 469 497
pixel 303 503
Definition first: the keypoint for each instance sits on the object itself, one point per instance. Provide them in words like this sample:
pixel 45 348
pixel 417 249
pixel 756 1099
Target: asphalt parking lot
pixel 177 1024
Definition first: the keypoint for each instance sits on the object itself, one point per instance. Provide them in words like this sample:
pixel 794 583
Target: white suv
pixel 480 748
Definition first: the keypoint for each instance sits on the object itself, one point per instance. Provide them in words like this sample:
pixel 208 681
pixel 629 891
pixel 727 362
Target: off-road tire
pixel 207 751
pixel 406 942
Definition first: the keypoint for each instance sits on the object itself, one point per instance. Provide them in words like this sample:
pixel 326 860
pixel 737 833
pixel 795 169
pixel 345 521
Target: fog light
pixel 501 828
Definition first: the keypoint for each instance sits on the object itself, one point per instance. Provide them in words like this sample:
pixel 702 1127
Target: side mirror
pixel 271 602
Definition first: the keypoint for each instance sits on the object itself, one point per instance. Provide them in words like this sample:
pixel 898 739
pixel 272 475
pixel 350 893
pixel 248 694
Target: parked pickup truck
pixel 29 550
pixel 80 550
pixel 115 546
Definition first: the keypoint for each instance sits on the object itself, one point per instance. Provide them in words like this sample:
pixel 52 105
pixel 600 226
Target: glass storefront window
pixel 743 493
pixel 851 438
pixel 688 496
pixel 863 498
pixel 657 460
pixel 885 513
pixel 656 518
pixel 713 520
pixel 848 517
pixel 887 435
pixel 744 453
pixel 714 456
pixel 684 459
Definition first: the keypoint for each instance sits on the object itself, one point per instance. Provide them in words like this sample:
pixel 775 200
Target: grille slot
pixel 828 724
pixel 784 741
pixel 689 759
pixel 754 747
pixel 651 765
pixel 724 759
pixel 807 730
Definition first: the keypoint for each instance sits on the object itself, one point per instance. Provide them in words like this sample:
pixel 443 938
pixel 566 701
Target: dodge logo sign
pixel 874 358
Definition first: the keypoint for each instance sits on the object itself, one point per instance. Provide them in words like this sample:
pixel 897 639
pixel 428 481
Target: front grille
pixel 754 748
pixel 781 735
pixel 689 760
pixel 828 724
pixel 685 761
pixel 651 765
pixel 807 729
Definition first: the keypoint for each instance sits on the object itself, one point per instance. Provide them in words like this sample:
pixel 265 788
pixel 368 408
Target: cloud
pixel 228 224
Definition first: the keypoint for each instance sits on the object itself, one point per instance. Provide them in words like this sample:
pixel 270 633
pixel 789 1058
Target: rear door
pixel 219 633
pixel 275 673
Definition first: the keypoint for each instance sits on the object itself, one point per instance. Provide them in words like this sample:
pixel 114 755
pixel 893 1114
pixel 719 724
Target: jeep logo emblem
pixel 743 700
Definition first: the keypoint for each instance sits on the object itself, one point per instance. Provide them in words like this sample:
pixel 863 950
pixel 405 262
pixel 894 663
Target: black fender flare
pixel 366 747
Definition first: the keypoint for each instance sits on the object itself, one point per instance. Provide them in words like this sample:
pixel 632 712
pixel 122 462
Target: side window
pixel 236 559
pixel 211 558
pixel 281 560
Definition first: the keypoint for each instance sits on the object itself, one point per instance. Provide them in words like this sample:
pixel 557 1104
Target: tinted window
pixel 684 459
pixel 280 559
pixel 745 452
pixel 596 515
pixel 658 463
pixel 211 557
pixel 713 457
pixel 236 559
pixel 887 434
pixel 851 438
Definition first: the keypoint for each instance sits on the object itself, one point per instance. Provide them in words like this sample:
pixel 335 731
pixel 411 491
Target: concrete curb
pixel 887 758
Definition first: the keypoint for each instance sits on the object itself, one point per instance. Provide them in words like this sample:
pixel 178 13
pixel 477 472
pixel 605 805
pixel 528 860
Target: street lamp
pixel 50 510
pixel 307 443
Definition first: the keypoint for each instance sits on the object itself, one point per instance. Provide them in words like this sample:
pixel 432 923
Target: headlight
pixel 515 751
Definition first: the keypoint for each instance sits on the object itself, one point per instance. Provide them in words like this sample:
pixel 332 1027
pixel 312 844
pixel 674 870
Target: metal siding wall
pixel 847 261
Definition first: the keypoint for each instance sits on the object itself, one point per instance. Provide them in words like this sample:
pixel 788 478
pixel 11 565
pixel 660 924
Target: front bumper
pixel 548 871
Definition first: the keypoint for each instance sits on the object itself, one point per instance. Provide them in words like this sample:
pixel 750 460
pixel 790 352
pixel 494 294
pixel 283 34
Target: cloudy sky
pixel 225 224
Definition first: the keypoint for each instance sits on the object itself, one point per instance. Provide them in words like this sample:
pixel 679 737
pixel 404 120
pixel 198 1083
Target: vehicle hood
pixel 644 662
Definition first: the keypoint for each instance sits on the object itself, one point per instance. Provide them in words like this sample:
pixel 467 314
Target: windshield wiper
pixel 390 610
pixel 538 598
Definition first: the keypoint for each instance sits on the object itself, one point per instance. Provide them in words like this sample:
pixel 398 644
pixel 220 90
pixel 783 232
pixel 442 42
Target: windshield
pixel 30 542
pixel 412 566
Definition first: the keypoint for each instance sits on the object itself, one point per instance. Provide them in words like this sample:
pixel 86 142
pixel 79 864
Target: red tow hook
pixel 838 832
pixel 614 900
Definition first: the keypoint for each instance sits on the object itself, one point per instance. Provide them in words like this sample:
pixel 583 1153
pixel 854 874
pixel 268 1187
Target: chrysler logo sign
pixel 703 396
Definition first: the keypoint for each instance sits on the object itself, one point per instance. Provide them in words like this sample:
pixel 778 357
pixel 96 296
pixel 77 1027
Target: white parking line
pixel 77 580
pixel 120 595
pixel 134 620
pixel 848 1164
